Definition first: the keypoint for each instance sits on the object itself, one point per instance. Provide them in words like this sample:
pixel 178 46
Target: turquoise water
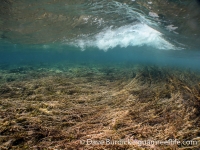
pixel 157 32
pixel 20 55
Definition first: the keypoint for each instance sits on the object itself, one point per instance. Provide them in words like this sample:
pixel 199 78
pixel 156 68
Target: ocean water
pixel 135 31
pixel 64 62
pixel 18 55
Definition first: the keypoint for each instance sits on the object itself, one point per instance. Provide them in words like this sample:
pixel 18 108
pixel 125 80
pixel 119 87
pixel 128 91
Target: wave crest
pixel 128 35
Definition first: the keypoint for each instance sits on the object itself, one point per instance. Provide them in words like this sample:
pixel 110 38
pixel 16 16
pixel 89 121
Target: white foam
pixel 153 14
pixel 171 27
pixel 128 35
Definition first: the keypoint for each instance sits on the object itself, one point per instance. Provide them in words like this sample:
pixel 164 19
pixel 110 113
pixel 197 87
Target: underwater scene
pixel 100 74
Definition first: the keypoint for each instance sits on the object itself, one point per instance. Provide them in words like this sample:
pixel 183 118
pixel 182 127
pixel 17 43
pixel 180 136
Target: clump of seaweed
pixel 61 110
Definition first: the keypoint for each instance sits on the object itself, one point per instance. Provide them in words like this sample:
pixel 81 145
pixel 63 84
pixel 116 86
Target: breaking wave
pixel 128 35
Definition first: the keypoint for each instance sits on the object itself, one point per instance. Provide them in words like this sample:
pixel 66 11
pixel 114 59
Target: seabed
pixel 63 106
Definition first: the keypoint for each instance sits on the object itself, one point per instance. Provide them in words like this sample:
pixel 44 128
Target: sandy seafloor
pixel 61 105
